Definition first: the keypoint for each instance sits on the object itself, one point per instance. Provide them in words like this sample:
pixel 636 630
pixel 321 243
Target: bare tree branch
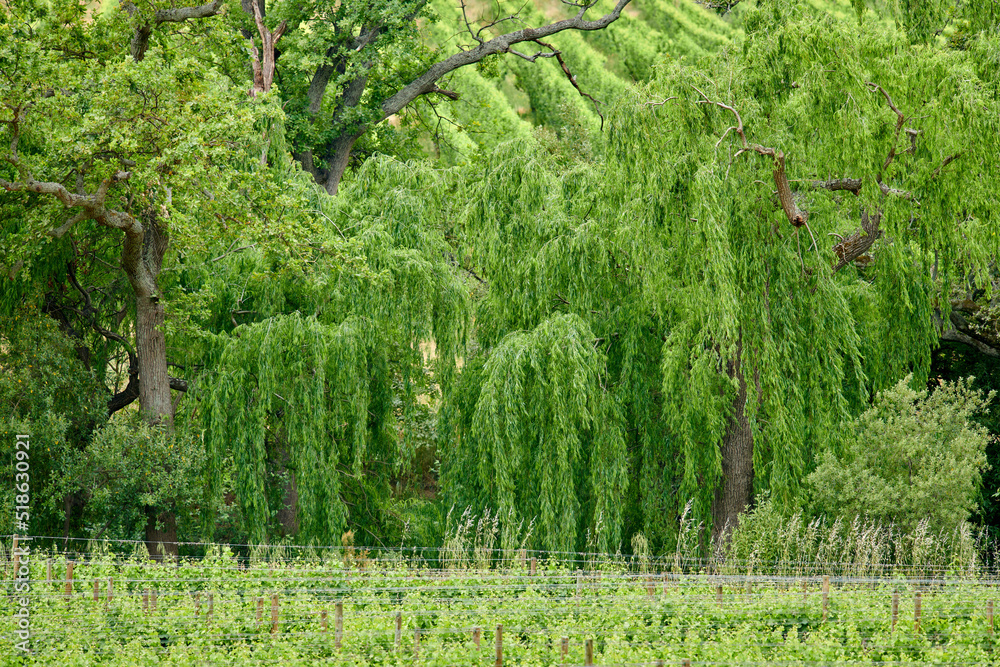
pixel 852 185
pixel 61 231
pixel 660 104
pixel 424 83
pixel 450 94
pixel 140 39
pixel 796 216
pixel 93 207
pixel 15 127
pixel 184 13
pixel 886 190
pixel 557 54
pixel 900 120
pixel 948 160
pixel 721 6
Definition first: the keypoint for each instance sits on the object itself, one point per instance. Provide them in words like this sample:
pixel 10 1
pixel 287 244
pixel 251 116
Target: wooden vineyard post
pixel 111 593
pixel 588 655
pixel 322 621
pixel 399 629
pixel 97 591
pixel 145 601
pixel 805 592
pixel 499 662
pixel 895 609
pixel 563 649
pixel 197 603
pixel 211 607
pixel 826 596
pixel 153 600
pixel 48 570
pixel 260 610
pixel 989 615
pixel 69 579
pixel 686 663
pixel 274 613
pixel 579 588
pixel 416 644
pixel 533 562
pixel 718 595
pixel 916 612
pixel 477 637
pixel 17 558
pixel 338 624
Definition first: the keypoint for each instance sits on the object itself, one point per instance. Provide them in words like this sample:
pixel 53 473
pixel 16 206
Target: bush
pixel 912 456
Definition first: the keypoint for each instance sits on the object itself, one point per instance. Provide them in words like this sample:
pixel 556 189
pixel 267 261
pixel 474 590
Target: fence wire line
pixel 497 554
pixel 592 578
pixel 448 581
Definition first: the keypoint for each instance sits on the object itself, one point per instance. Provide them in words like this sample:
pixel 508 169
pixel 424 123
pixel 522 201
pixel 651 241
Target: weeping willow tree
pixel 304 385
pixel 765 245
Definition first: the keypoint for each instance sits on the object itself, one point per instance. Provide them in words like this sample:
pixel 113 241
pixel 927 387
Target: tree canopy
pixel 762 248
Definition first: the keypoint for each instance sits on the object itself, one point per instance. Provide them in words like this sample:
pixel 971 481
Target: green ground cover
pixel 225 609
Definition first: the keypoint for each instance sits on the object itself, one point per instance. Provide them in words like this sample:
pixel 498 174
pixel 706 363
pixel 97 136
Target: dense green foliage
pixel 674 260
pixel 909 458
pixel 559 308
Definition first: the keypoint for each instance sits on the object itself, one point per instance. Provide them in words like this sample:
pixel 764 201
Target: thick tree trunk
pixel 340 154
pixel 735 493
pixel 288 512
pixel 151 348
pixel 154 383
pixel 161 534
pixel 154 397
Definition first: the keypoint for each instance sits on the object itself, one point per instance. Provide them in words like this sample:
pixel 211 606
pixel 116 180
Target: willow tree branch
pixel 900 120
pixel 852 185
pixel 948 160
pixel 739 120
pixel 796 216
pixel 886 190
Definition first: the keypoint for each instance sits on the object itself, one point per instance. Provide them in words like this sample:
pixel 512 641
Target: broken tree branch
pixel 263 64
pixel 860 241
pixel 948 160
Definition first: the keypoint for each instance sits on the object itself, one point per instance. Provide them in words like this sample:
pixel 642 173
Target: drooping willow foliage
pixel 675 257
pixel 541 417
pixel 312 377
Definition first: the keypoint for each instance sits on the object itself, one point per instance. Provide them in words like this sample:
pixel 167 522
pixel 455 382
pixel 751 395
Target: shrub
pixel 912 456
